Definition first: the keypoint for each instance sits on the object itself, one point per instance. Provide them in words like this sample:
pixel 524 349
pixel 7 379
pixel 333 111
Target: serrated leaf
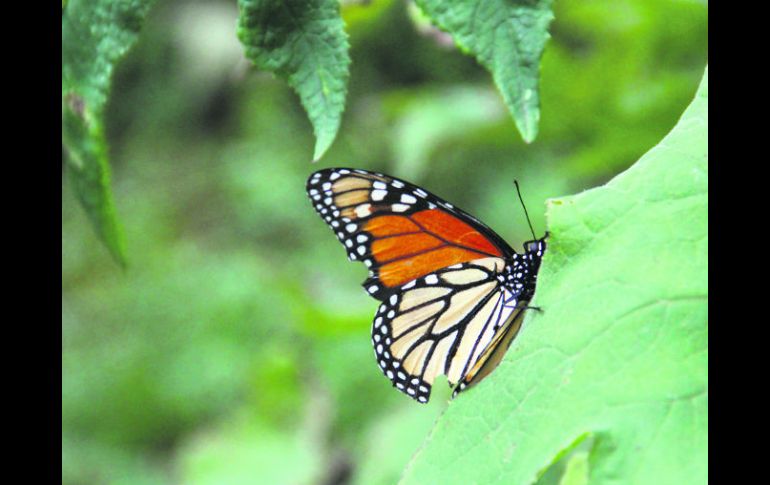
pixel 95 35
pixel 507 38
pixel 304 42
pixel 620 350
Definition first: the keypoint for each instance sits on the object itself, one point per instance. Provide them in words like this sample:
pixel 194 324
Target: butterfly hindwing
pixel 493 352
pixel 527 266
pixel 441 324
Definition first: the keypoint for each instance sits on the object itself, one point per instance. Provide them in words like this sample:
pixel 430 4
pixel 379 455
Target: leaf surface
pixel 304 42
pixel 507 38
pixel 95 36
pixel 620 351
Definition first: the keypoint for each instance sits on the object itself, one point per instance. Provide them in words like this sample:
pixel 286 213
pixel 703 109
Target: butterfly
pixel 452 291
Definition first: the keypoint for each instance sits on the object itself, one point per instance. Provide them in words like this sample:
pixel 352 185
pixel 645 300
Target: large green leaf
pixel 619 354
pixel 507 38
pixel 304 42
pixel 95 35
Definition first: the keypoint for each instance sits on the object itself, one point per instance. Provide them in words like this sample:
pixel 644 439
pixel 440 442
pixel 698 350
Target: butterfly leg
pixel 527 307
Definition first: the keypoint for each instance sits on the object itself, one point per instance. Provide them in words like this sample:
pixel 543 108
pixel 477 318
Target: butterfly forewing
pixel 399 231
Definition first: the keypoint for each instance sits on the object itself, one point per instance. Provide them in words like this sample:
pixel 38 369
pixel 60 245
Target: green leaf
pixel 620 350
pixel 95 35
pixel 304 42
pixel 507 38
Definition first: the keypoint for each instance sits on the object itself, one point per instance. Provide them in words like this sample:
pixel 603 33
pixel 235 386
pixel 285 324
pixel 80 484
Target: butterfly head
pixel 535 247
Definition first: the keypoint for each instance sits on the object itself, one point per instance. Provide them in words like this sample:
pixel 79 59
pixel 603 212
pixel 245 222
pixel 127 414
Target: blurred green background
pixel 235 347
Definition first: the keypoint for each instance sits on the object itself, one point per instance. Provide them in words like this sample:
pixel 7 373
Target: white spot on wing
pixel 378 195
pixel 363 210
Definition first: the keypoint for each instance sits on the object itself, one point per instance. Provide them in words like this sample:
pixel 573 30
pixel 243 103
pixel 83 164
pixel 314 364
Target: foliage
pixel 95 35
pixel 619 352
pixel 304 42
pixel 508 39
pixel 237 342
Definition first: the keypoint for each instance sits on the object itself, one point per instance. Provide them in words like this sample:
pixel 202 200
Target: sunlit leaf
pixel 620 350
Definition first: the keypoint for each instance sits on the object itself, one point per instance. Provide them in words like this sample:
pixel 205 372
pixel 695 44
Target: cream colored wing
pixel 441 324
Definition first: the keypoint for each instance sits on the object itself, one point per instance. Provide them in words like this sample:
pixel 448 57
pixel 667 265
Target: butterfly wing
pixel 400 231
pixel 489 359
pixel 441 323
pixel 451 289
pixel 493 353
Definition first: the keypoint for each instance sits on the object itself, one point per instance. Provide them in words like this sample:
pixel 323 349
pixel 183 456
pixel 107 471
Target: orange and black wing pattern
pixel 452 291
pixel 398 230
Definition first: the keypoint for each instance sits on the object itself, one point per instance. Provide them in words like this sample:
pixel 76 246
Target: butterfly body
pixel 452 291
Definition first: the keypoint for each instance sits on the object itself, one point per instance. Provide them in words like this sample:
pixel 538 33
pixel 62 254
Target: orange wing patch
pixel 408 247
pixel 391 248
pixel 455 231
pixel 390 225
pixel 405 270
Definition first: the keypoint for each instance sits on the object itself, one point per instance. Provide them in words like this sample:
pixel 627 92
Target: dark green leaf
pixel 304 42
pixel 507 38
pixel 95 35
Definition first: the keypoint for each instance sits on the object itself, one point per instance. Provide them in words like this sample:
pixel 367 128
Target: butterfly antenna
pixel 518 191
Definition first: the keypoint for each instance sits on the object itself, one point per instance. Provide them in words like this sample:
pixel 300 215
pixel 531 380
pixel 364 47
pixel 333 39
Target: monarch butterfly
pixel 452 291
